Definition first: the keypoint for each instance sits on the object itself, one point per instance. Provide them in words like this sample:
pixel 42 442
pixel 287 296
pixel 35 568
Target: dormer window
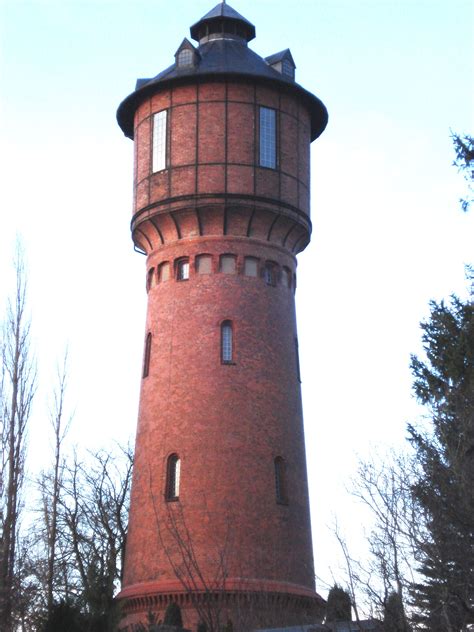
pixel 287 68
pixel 186 55
pixel 283 63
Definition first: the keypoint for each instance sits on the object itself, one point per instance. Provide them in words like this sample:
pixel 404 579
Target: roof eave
pixel 128 107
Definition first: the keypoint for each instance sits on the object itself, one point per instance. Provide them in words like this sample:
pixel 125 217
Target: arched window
pixel 146 359
pixel 204 264
pixel 182 270
pixel 163 271
pixel 280 483
pixel 227 350
pixel 150 280
pixel 173 470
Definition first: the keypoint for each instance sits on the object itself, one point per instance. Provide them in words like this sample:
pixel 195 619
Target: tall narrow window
pixel 280 483
pixel 226 342
pixel 297 359
pixel 159 140
pixel 267 138
pixel 146 359
pixel 173 471
pixel 182 270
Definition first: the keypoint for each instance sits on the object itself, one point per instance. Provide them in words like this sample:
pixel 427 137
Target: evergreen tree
pixel 444 383
pixel 394 619
pixel 173 615
pixel 338 607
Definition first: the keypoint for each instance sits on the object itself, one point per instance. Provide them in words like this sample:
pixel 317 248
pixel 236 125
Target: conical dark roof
pixel 220 58
pixel 224 13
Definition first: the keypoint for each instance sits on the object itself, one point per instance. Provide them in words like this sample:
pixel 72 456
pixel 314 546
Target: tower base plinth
pixel 248 607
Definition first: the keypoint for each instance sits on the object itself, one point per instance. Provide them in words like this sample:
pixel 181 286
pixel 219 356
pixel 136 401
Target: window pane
pixel 185 57
pixel 183 270
pixel 270 274
pixel 267 138
pixel 204 264
pixel 226 341
pixel 250 266
pixel 159 141
pixel 227 264
pixel 173 477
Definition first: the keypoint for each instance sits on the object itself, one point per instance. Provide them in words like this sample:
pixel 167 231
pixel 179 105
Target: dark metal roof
pixel 220 59
pixel 223 10
pixel 276 57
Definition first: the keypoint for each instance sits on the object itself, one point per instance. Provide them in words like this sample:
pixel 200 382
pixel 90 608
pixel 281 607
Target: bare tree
pixel 178 545
pixel 92 518
pixel 17 389
pixel 51 485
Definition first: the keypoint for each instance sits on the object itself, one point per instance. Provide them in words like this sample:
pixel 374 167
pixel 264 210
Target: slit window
pixel 182 270
pixel 250 266
pixel 297 360
pixel 173 474
pixel 227 264
pixel 147 356
pixel 267 138
pixel 280 486
pixel 204 264
pixel 159 140
pixel 227 350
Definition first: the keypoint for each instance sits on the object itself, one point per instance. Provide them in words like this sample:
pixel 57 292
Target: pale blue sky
pixel 396 76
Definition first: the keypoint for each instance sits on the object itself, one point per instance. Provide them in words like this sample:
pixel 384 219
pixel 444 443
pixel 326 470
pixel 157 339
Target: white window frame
pixel 267 138
pixel 227 342
pixel 160 141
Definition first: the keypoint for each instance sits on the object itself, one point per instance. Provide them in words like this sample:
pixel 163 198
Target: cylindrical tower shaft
pixel 219 517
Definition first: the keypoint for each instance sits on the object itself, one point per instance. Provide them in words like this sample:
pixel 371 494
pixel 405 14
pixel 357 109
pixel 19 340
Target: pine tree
pixel 444 383
pixel 338 606
pixel 394 619
pixel 173 615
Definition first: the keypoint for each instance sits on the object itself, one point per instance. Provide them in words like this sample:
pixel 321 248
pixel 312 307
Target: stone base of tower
pixel 248 605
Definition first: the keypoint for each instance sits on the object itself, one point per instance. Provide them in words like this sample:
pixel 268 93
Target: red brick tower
pixel 219 518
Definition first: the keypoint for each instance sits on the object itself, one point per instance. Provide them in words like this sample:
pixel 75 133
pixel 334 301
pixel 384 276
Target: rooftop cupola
pixel 222 22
